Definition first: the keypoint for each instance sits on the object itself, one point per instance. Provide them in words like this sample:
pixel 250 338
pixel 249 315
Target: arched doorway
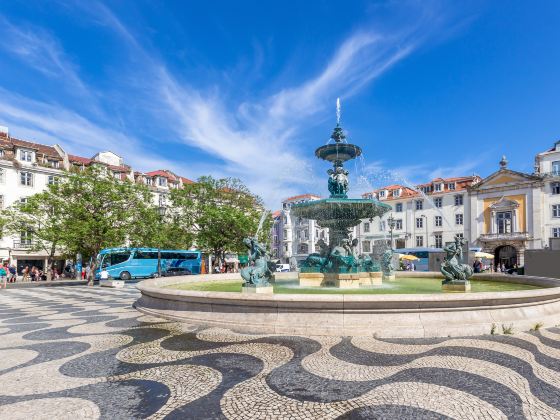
pixel 506 255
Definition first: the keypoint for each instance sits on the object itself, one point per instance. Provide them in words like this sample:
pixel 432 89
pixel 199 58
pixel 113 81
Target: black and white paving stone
pixel 81 352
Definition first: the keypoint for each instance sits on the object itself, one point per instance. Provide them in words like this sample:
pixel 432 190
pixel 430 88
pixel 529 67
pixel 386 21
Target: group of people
pixel 408 266
pixel 8 274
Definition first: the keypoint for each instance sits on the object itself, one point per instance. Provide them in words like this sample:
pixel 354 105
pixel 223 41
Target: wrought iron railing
pixel 505 236
pixel 25 244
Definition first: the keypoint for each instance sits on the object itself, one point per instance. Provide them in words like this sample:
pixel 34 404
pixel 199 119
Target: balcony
pixel 511 236
pixel 26 244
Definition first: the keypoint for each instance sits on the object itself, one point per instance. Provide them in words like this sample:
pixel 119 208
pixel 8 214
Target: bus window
pixel 119 257
pixel 145 255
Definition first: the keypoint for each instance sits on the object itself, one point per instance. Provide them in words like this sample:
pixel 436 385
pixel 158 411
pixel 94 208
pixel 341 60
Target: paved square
pixel 78 352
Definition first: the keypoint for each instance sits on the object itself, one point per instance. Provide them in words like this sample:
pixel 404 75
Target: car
pixel 282 268
pixel 176 271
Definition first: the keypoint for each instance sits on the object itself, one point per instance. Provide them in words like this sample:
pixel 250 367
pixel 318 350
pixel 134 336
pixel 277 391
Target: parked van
pixel 282 268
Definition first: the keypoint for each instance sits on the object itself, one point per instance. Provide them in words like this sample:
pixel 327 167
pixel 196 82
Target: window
pixel 439 240
pixel 419 241
pixel 25 155
pixel 438 221
pixel 53 163
pixel 1 176
pixel 459 235
pixel 366 227
pixel 120 257
pixel 302 249
pixel 458 200
pixel 366 246
pixel 1 153
pixel 26 237
pixel 1 202
pixel 162 200
pixel 23 200
pixel 419 204
pixel 419 222
pixel 398 224
pixel 503 221
pixel 438 202
pixel 285 233
pixel 398 207
pixel 556 210
pixel 556 167
pixel 459 219
pixel 451 186
pixel 162 182
pixel 382 226
pixel 53 180
pixel 556 232
pixel 437 187
pixel 397 193
pixel 145 255
pixel 555 187
pixel 26 178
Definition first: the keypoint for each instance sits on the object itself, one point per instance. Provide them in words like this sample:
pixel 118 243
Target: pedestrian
pixel 3 277
pixel 25 273
pixel 83 273
pixel 13 273
pixel 104 275
pixel 88 271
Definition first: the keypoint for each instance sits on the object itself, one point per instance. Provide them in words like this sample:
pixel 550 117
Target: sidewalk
pixel 52 283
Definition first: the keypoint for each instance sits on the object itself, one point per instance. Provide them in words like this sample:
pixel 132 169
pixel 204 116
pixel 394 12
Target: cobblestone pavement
pixel 79 352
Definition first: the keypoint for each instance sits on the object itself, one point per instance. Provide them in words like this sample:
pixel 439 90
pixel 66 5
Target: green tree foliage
pixel 218 213
pixel 100 211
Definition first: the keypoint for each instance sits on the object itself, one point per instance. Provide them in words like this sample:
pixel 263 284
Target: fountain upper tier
pixel 340 151
pixel 340 212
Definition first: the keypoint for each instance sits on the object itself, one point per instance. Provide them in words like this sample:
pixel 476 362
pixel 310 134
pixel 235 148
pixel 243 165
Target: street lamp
pixel 391 221
pixel 161 212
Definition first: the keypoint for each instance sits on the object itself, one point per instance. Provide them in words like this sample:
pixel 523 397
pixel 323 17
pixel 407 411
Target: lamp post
pixel 161 212
pixel 391 221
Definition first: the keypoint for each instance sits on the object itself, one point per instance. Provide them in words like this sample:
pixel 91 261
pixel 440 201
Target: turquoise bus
pixel 128 263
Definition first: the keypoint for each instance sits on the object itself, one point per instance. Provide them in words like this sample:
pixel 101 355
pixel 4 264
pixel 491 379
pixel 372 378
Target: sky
pixel 247 89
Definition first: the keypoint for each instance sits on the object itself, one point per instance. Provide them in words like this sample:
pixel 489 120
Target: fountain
pixel 338 264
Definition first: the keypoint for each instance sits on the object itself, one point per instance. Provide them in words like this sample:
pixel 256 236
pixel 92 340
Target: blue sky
pixel 248 88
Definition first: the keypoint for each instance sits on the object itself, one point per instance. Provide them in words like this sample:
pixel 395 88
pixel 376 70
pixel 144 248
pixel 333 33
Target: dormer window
pixel 25 155
pixel 437 187
pixel 162 182
pixel 382 194
pixel 1 153
pixel 53 163
pixel 397 193
pixel 451 186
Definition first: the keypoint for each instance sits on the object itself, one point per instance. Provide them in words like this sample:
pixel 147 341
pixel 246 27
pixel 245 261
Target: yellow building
pixel 506 214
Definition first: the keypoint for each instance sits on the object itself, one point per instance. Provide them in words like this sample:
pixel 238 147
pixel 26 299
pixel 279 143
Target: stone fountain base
pixel 340 280
pixel 456 286
pixel 256 289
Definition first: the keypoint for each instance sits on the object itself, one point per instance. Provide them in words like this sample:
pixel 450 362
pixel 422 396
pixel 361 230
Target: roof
pixel 186 180
pixel 405 192
pixel 276 214
pixel 301 197
pixel 163 173
pixel 40 148
pixel 79 159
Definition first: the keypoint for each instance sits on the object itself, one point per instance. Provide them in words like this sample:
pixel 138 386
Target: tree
pixel 42 216
pixel 100 211
pixel 219 213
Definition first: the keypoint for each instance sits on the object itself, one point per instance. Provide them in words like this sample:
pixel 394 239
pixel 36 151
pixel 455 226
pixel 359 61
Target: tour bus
pixel 128 263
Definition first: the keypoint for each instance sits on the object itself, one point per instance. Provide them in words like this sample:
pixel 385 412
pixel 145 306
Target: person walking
pixel 3 277
pixel 13 273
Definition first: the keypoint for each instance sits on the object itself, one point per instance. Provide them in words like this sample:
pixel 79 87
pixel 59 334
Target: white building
pixel 298 236
pixel 429 216
pixel 26 168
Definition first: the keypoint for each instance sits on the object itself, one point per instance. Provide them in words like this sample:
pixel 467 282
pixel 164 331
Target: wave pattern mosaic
pixel 85 353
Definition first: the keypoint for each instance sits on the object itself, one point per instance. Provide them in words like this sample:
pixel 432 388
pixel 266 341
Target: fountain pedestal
pixel 256 289
pixel 340 280
pixel 456 286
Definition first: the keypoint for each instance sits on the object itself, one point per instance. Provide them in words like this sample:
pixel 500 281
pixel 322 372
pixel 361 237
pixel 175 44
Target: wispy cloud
pixel 255 139
pixel 42 51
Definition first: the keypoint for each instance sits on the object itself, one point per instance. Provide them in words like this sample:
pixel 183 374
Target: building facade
pixel 27 168
pixel 504 214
